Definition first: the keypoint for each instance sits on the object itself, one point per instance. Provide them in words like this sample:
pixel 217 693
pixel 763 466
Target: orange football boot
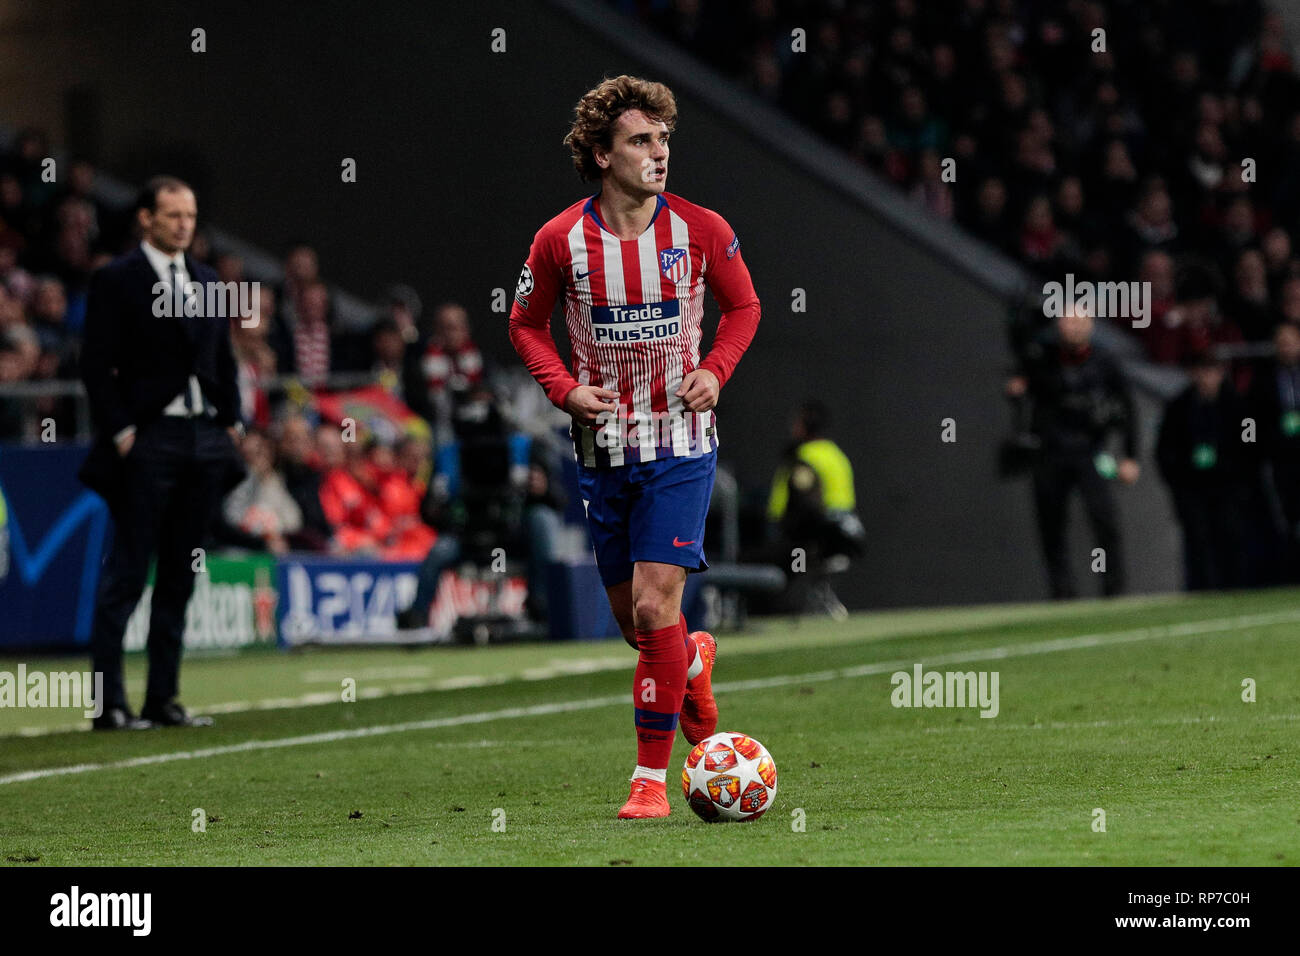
pixel 649 799
pixel 699 717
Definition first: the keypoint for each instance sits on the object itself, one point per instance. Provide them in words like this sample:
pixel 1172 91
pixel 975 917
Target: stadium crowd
pixel 1167 154
pixel 414 383
pixel 1152 142
pixel 1117 164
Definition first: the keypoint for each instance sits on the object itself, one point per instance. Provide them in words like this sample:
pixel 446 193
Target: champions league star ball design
pixel 729 777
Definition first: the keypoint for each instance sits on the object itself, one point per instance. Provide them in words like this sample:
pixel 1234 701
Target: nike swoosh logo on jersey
pixel 680 544
pixel 579 276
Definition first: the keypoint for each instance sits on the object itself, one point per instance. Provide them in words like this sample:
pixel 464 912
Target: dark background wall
pixel 460 160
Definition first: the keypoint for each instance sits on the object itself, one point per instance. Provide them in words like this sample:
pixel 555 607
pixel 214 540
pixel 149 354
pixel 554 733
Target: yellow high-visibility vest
pixel 833 470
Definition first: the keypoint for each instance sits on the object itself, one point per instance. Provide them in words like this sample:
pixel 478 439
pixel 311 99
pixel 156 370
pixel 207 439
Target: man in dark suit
pixel 1274 403
pixel 162 387
pixel 1208 468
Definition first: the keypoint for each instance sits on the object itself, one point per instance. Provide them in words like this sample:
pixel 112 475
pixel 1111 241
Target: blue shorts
pixel 648 511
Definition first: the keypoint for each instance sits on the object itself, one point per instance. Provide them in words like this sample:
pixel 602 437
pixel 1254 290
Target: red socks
pixel 657 692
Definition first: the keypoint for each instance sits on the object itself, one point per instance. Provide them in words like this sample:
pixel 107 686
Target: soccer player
pixel 631 263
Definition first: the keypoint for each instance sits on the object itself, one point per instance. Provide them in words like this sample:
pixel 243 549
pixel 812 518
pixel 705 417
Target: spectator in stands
pixel 403 480
pixel 203 246
pixel 301 269
pixel 1195 323
pixel 26 165
pixel 1157 268
pixel 255 359
pixel 543 510
pixel 396 363
pixel 451 364
pixel 48 311
pixel 1076 225
pixel 18 338
pixel 229 268
pixel 11 409
pixel 14 218
pixel 57 358
pixel 1247 303
pixel 930 191
pixel 300 463
pixel 260 506
pixel 107 224
pixel 404 308
pixel 989 220
pixel 1236 233
pixel 71 253
pixel 915 129
pixel 1040 243
pixel 871 148
pixel 13 277
pixel 1114 190
pixel 1204 462
pixel 1276 248
pixel 1151 224
pixel 349 496
pixel 307 342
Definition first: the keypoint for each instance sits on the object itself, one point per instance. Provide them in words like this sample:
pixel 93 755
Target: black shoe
pixel 172 714
pixel 119 718
pixel 412 620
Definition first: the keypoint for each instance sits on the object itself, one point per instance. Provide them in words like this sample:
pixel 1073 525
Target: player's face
pixel 638 159
pixel 170 227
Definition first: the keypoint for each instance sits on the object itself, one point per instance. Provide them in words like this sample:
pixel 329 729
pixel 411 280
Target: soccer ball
pixel 729 777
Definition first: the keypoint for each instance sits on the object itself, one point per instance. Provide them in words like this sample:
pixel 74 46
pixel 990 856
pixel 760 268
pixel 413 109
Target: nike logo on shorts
pixel 680 544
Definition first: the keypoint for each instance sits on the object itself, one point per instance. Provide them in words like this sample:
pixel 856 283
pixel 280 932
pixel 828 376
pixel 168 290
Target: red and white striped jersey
pixel 633 310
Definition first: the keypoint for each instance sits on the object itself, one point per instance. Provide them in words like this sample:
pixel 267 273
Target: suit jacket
pixel 134 363
pixel 1265 404
pixel 1188 423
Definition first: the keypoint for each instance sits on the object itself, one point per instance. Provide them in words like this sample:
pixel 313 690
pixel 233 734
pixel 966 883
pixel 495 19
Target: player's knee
pixel 652 610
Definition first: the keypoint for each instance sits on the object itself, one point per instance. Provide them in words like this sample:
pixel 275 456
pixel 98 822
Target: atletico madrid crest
pixel 674 264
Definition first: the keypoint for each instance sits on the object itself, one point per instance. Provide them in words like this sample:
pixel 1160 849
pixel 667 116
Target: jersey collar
pixel 590 210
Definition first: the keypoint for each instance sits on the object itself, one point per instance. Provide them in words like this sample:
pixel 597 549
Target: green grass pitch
pixel 520 755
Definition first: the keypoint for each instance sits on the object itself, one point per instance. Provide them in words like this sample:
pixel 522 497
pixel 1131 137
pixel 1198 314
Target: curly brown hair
pixel 600 108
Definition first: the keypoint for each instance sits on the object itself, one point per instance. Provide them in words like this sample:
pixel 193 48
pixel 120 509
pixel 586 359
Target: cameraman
pixel 1078 396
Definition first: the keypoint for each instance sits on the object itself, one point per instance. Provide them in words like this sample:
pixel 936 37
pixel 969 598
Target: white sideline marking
pixel 321 738
pixel 589 665
pixel 1102 724
pixel 1079 642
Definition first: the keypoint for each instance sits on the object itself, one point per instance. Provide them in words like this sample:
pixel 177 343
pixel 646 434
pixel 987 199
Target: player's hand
pixel 699 390
pixel 1128 471
pixel 586 402
pixel 125 443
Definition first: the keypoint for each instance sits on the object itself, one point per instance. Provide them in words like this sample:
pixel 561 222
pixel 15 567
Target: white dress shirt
pixel 193 396
pixel 181 406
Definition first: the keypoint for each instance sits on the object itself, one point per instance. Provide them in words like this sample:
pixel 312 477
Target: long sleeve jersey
pixel 633 309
